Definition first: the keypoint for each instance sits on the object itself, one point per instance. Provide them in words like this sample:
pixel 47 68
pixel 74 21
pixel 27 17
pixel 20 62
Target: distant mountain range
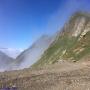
pixel 11 52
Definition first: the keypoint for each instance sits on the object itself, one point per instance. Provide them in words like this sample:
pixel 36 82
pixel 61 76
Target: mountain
pixel 33 53
pixel 5 62
pixel 11 52
pixel 66 60
pixel 72 43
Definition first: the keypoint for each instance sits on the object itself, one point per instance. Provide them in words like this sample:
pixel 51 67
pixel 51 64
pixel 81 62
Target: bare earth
pixel 61 76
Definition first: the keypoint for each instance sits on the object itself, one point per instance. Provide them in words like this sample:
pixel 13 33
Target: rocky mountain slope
pixel 72 43
pixel 32 54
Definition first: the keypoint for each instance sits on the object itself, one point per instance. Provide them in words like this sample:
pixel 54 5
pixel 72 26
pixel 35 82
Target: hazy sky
pixel 23 21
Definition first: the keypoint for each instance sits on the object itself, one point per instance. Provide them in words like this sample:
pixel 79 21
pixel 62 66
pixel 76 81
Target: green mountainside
pixel 72 43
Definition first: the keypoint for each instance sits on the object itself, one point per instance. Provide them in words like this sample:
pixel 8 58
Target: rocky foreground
pixel 64 75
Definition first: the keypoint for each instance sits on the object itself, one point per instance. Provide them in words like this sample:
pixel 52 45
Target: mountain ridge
pixel 72 43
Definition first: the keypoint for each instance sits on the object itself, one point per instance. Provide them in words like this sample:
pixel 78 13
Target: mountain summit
pixel 72 43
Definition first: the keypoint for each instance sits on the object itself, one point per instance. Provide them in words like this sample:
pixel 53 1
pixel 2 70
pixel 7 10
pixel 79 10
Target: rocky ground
pixel 61 76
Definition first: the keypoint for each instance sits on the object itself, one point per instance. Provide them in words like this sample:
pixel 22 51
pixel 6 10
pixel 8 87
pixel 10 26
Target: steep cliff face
pixel 72 43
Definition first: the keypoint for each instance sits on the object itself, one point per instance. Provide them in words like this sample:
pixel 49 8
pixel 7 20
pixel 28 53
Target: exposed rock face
pixel 74 35
pixel 79 25
pixel 86 30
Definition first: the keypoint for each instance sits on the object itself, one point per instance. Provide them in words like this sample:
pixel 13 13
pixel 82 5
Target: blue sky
pixel 24 21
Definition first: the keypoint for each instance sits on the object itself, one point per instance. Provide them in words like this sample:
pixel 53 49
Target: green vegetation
pixel 66 46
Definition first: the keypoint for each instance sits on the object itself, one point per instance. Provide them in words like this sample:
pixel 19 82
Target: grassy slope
pixel 64 47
